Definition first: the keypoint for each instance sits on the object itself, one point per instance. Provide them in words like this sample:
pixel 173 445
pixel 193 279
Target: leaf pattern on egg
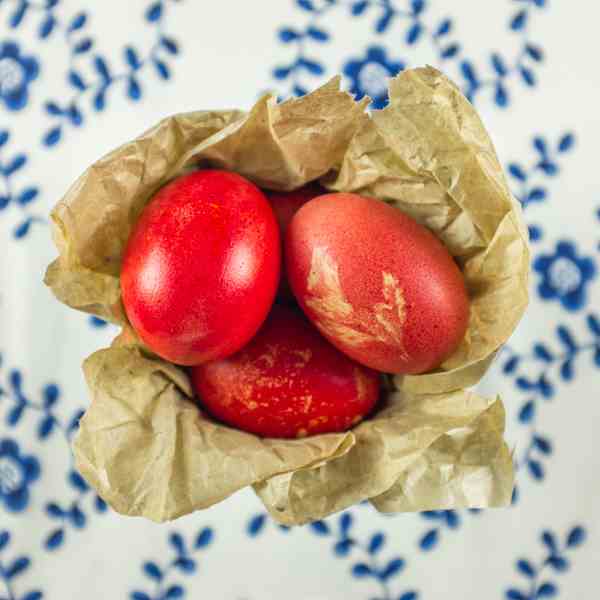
pixel 381 323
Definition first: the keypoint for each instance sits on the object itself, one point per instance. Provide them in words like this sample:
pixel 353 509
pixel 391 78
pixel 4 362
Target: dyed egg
pixel 285 205
pixel 379 286
pixel 287 382
pixel 201 267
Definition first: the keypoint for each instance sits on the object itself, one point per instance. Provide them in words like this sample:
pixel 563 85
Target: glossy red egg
pixel 379 286
pixel 201 267
pixel 285 205
pixel 287 382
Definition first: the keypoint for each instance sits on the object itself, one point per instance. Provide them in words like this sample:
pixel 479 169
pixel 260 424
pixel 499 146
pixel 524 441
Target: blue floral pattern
pixel 17 71
pixel 62 73
pixel 17 472
pixel 369 75
pixel 564 275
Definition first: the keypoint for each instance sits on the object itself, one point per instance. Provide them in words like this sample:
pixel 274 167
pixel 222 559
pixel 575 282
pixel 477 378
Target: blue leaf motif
pixel 594 325
pixel 15 164
pixel 535 232
pixel 320 528
pixel 50 393
pixel 548 167
pixel 77 22
pixel 77 481
pixel 52 137
pixel 536 469
pixel 4 135
pixel 511 365
pixel 566 142
pixel 429 540
pixel 55 539
pixel 256 525
pixel 358 8
pixel 468 71
pixel 134 91
pixel 575 537
pixel 54 510
pixel 170 45
pixel 152 570
pixel 418 6
pixel 18 566
pixel 384 21
pixel 526 568
pixel 178 543
pixel 343 547
pixel 4 539
pixel 392 568
pixel 452 519
pixel 361 570
pixel 83 46
pixel 139 596
pixel 173 592
pixel 132 58
pixel 74 423
pixel 501 95
pixel 317 34
pixel 100 505
pixel 499 65
pixel 376 543
pixel 564 335
pixel 535 52
pixel 346 523
pixel 527 412
pixel 543 353
pixel 204 538
pixel 312 66
pixel 102 68
pixel 546 388
pixel 408 596
pixel 47 27
pixel 281 72
pixel 154 12
pixel 519 21
pixel 76 80
pixel 450 51
pixel 23 228
pixel 185 565
pixel 546 590
pixel 161 69
pixel 100 100
pixel 597 356
pixel 517 171
pixel 558 563
pixel 306 5
pixel 514 594
pixel 45 428
pixel 75 115
pixel 77 517
pixel 549 540
pixel 287 35
pixel 17 17
pixel 413 33
pixel 27 195
pixel 4 202
pixel 542 444
pixel 15 414
pixel 444 28
pixel 35 595
pixel 536 194
pixel 528 76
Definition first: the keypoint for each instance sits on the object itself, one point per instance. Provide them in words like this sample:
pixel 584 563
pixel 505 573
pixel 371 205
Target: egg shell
pixel 201 267
pixel 379 286
pixel 287 382
pixel 285 205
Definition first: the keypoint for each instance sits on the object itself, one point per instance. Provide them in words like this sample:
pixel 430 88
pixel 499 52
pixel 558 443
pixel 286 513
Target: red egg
pixel 285 205
pixel 201 267
pixel 379 286
pixel 287 382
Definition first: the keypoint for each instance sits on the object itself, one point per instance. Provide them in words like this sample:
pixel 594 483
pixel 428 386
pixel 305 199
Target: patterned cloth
pixel 78 78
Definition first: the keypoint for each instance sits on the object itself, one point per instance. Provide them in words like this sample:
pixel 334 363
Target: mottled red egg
pixel 379 286
pixel 287 382
pixel 201 267
pixel 285 205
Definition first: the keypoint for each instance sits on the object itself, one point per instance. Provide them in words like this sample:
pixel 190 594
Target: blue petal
pixel 574 300
pixel 542 263
pixel 9 448
pixel 31 467
pixel 17 500
pixel 588 267
pixel 566 249
pixel 353 67
pixel 546 291
pixel 31 66
pixel 9 49
pixel 17 100
pixel 378 54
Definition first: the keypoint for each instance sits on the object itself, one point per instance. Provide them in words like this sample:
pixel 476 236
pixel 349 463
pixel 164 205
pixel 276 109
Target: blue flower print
pixel 16 73
pixel 369 76
pixel 17 471
pixel 565 275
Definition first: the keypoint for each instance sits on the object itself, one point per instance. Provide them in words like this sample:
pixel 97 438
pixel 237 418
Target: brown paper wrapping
pixel 145 445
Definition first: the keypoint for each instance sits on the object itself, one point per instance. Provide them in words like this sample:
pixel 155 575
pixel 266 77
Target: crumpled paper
pixel 144 443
